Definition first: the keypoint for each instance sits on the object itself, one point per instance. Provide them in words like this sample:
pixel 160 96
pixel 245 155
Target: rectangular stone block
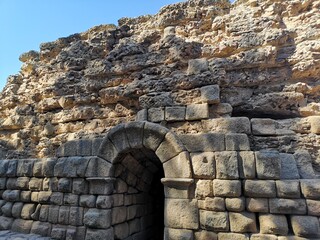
pixel 37 168
pixel 170 147
pixel 243 222
pixel 227 125
pixel 273 224
pixel 53 214
pixel 3 167
pixel 41 228
pixel 203 165
pixel 237 142
pixel 313 207
pixel 306 226
pixel 155 114
pixel 203 142
pixel 204 189
pixel 287 206
pixel 96 143
pixel 170 233
pixel 260 205
pixel 12 183
pixel 71 199
pixel 227 188
pixel 310 188
pixel 263 126
pixel 173 114
pixel 69 148
pixel 94 234
pixel 178 167
pixel 216 204
pixel 3 182
pixel 63 217
pixel 215 221
pixel 22 226
pixel 103 186
pixel 227 165
pixel 260 188
pixel 35 184
pixel 97 218
pixel 84 147
pixel 288 189
pixel 142 115
pixel 27 210
pixel 25 168
pixel 263 237
pixel 12 168
pixel 80 186
pixel 233 236
pixel 99 167
pixel 48 167
pixel 247 165
pixel 235 204
pixel 210 94
pixel 205 235
pixel 288 168
pixel 197 111
pixel 268 164
pixel 304 164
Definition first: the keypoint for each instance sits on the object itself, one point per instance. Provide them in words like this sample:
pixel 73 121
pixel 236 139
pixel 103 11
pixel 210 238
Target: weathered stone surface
pixel 288 189
pixel 170 147
pixel 247 165
pixel 260 188
pixel 243 222
pixel 95 234
pixel 178 167
pixel 273 224
pixel 20 225
pixel 204 189
pixel 98 167
pixel 227 166
pixel 173 114
pixel 305 226
pixel 203 165
pixel 228 125
pixel 233 236
pixel 197 111
pixel 235 204
pixel 289 168
pixel 210 94
pixel 304 164
pixel 313 207
pixel 310 188
pixel 209 142
pixel 226 188
pixel 237 142
pixel 171 234
pixel 216 204
pixel 97 218
pixel 214 221
pixel 203 235
pixel 257 205
pixel 5 223
pixel 268 165
pixel 156 114
pixel 287 206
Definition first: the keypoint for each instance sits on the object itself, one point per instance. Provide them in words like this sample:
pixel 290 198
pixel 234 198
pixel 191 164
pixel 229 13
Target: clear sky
pixel 25 24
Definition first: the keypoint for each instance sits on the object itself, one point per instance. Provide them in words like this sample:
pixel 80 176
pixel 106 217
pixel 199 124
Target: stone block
pixel 104 201
pixel 98 167
pixel 313 207
pixel 210 94
pixel 268 164
pixel 56 198
pixel 142 115
pixel 247 165
pixel 96 143
pixel 118 137
pixel 35 184
pixel 84 147
pixel 171 234
pixel 3 182
pixel 102 186
pixel 260 205
pixel 44 212
pixel 227 188
pixel 314 124
pixel 41 228
pixel 237 142
pixel 71 199
pixel 134 131
pixel 233 236
pixel 12 168
pixel 63 217
pixel 53 214
pixel 287 206
pixel 25 168
pixel 97 218
pixel 227 165
pixel 134 226
pixel 203 165
pixel 305 226
pixel 3 167
pixel 58 232
pixel 153 135
pixel 243 222
pixel 108 151
pixel 11 195
pixel 205 235
pixel 228 125
pixel 288 168
pixel 34 196
pixel 170 147
pixel 260 188
pixel 16 209
pixel 121 231
pixel 215 221
pixel 64 185
pixel 27 210
pixel 12 183
pixel 310 188
pixel 69 148
pixel 304 164
pixel 22 226
pixel 156 114
pixel 88 201
pixel 216 204
pixel 23 183
pixel 80 186
pixel 35 215
pixel 95 234
pixel 76 216
pixel 197 66
pixel 263 126
pixel 235 204
pixel 37 169
pixel 263 237
pixel 197 111
pixel 181 213
pixel 288 189
pixel 48 167
pixel 25 196
pixel 203 142
pixel 273 224
pixel 5 223
pixel 173 114
pixel 204 189
pixel 178 167
pixel 6 209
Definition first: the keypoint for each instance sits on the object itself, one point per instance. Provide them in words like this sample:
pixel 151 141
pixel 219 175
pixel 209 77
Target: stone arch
pixel 164 144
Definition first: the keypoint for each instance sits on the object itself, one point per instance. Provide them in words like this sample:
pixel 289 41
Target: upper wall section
pixel 263 56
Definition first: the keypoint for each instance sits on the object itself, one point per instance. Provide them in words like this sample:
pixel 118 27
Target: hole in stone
pixel 138 180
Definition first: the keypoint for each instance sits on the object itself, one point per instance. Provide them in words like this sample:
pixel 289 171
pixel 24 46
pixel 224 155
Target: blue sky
pixel 25 24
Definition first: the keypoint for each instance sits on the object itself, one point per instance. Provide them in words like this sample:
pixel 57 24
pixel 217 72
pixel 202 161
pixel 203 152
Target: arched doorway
pixel 142 154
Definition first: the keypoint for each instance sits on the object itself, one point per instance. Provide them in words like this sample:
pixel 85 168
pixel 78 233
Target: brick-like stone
pixel 263 237
pixel 178 167
pixel 6 209
pixel 44 212
pixel 58 232
pixel 313 207
pixel 235 204
pixel 107 151
pixel 287 206
pixel 204 165
pixel 237 142
pixel 186 213
pixel 88 201
pixel 204 189
pixel 142 115
pixel 121 231
pixel 304 164
pixel 153 135
pixel 3 167
pixel 263 126
pixel 314 124
pixel 11 195
pixel 95 234
pixel 289 168
pixel 12 168
pixel 243 222
pixel 216 221
pixel 69 148
pixel 197 111
pixel 5 223
pixel 119 215
pixel 310 188
pixel 35 184
pixel 97 218
pixel 25 168
pixel 25 196
pixel 233 236
pixel 260 205
pixel 173 114
pixel 16 209
pixel 228 125
pixel 96 143
pixel 273 224
pixel 227 165
pixel 305 226
pixel 156 114
pixel 22 226
pixel 102 186
pixel 104 201
pixel 288 189
pixel 268 165
pixel 210 94
pixel 71 199
pixel 23 183
pixel 12 183
pixel 84 147
pixel 76 216
pixel 170 233
pixel 37 169
pixel 98 167
pixel 56 198
pixel 134 132
pixel 53 214
pixel 216 204
pixel 27 211
pixel 3 182
pixel 260 188
pixel 65 185
pixel 226 188
pixel 203 142
pixel 205 235
pixel 48 167
pixel 41 228
pixel 247 165
pixel 80 186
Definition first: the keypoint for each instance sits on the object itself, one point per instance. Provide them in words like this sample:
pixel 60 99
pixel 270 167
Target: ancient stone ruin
pixel 201 122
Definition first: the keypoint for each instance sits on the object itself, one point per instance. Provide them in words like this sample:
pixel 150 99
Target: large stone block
pixel 119 215
pixel 235 204
pixel 170 147
pixel 11 195
pixel 273 224
pixel 121 231
pixel 63 217
pixel 27 210
pixel 287 206
pixel 247 165
pixel 204 189
pixel 84 147
pixel 227 165
pixel 88 201
pixel 203 165
pixel 156 114
pixel 288 189
pixel 227 188
pixel 173 234
pixel 118 137
pixel 203 142
pixel 16 209
pixel 205 235
pixel 243 222
pixel 305 226
pixel 41 228
pixel 103 186
pixel 304 164
pixel 237 142
pixel 94 234
pixel 216 204
pixel 108 151
pixel 181 213
pixel 263 237
pixel 215 221
pixel 22 226
pixel 288 168
pixel 35 184
pixel 260 205
pixel 313 207
pixel 6 209
pixel 263 126
pixel 197 112
pixel 173 114
pixel 260 188
pixel 310 188
pixel 228 125
pixel 12 168
pixel 197 66
pixel 5 223
pixel 178 167
pixel 134 131
pixel 25 168
pixel 268 165
pixel 98 167
pixel 53 214
pixel 233 236
pixel 3 182
pixel 210 94
pixel 96 143
pixel 97 218
pixel 48 167
pixel 153 135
